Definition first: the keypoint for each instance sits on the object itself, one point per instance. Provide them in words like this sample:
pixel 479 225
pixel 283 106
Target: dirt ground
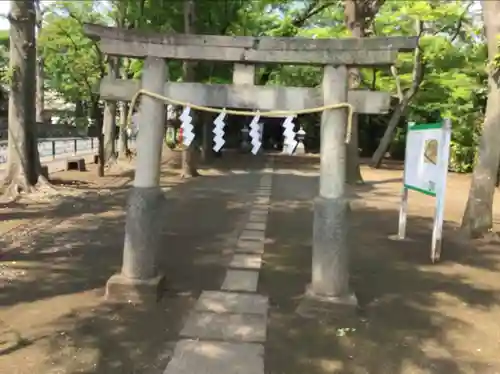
pixel 416 317
pixel 53 266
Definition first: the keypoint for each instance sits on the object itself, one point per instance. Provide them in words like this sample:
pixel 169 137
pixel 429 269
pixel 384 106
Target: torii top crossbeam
pixel 245 49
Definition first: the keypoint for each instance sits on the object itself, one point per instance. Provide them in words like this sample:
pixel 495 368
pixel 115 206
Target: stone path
pixel 226 330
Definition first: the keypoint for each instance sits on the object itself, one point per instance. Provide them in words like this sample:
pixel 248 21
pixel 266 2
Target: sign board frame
pixel 439 192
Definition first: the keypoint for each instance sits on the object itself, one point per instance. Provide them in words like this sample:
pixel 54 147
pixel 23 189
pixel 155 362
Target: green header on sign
pixel 425 126
pixel 421 190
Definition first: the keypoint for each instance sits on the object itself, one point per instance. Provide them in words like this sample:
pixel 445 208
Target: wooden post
pixel 139 280
pixel 330 264
pixel 403 214
pixel 403 208
pixel 443 158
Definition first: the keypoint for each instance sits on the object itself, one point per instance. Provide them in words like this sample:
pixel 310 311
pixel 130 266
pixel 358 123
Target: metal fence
pixel 52 148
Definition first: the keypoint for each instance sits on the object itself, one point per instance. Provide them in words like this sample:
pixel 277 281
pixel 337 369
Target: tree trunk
pixel 109 121
pixel 207 137
pixel 189 154
pixel 97 119
pixel 478 216
pixel 109 132
pixel 23 167
pixel 359 14
pixel 123 151
pixel 80 116
pixel 40 91
pixel 40 94
pixel 352 169
pixel 404 101
pixel 355 22
pixel 122 20
pixel 399 111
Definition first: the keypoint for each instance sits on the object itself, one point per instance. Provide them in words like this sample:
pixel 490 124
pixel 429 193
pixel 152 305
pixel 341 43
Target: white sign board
pixel 426 168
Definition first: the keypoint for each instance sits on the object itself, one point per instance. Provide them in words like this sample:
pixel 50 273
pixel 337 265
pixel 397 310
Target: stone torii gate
pixel 139 278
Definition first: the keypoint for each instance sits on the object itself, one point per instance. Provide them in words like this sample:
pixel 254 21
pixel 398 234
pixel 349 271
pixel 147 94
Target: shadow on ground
pixel 415 318
pixel 53 318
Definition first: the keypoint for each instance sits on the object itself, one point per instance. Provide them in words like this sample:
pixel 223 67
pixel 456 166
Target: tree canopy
pixel 454 52
pixel 452 73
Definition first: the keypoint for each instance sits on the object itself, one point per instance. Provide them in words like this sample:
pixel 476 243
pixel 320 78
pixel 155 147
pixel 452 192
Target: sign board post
pixel 426 168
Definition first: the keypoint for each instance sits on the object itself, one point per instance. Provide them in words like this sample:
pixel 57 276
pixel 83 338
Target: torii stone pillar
pixel 330 262
pixel 139 280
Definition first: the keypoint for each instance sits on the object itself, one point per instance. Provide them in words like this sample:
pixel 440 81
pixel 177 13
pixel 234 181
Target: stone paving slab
pixel 249 246
pixel 261 194
pixel 229 327
pixel 257 226
pixel 231 302
pixel 246 261
pixel 259 211
pixel 252 235
pixel 208 357
pixel 258 218
pixel 241 280
pixel 262 200
pixel 261 189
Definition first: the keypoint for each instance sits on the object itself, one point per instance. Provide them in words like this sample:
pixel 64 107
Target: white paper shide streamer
pixel 218 131
pixel 187 127
pixel 289 135
pixel 255 134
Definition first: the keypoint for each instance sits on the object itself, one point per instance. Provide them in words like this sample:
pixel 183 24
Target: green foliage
pixel 495 63
pixel 454 52
pixel 4 38
pixel 5 74
pixel 455 78
pixel 73 63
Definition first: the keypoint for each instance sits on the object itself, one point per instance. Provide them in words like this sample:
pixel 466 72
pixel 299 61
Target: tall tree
pixel 127 16
pixel 74 64
pixel 40 90
pixel 404 99
pixel 23 169
pixel 189 154
pixel 109 118
pixel 359 15
pixel 435 23
pixel 478 215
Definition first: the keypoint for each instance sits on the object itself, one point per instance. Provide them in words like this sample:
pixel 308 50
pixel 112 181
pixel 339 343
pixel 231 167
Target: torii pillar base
pixel 120 288
pixel 314 306
pixel 329 293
